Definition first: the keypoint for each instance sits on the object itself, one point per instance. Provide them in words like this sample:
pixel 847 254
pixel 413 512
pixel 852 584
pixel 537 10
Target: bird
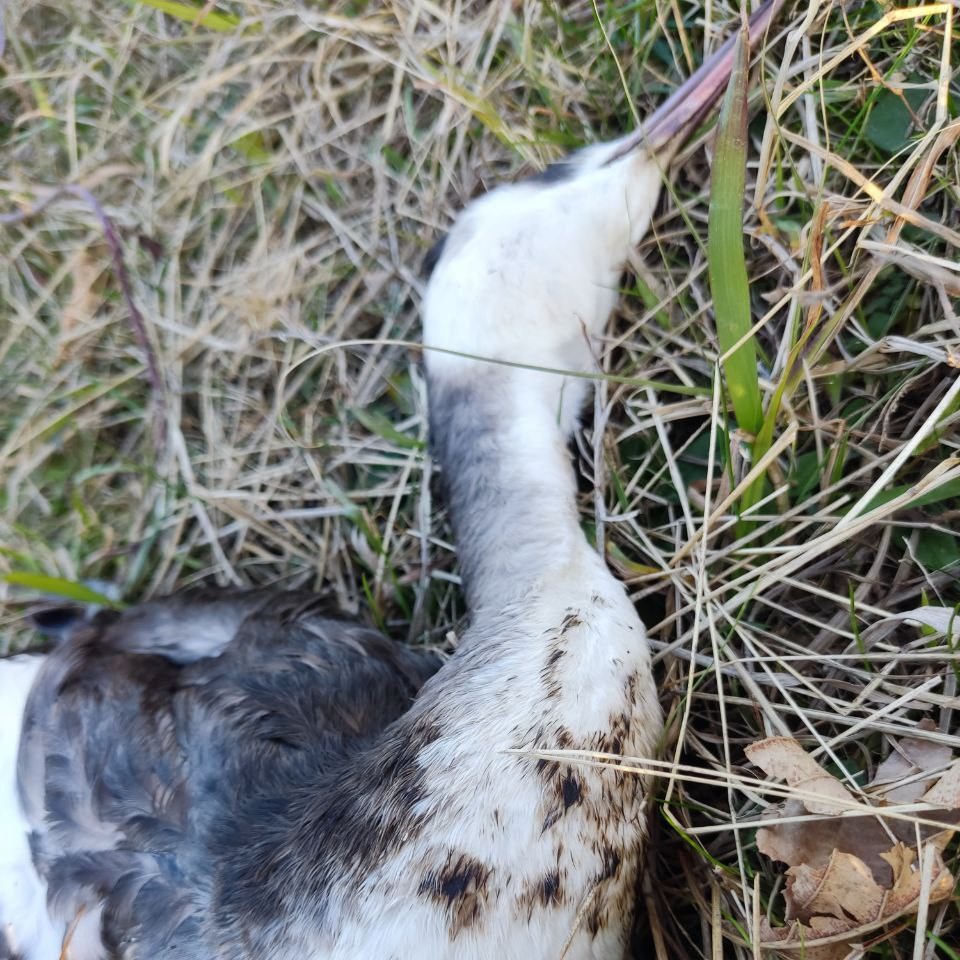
pixel 249 774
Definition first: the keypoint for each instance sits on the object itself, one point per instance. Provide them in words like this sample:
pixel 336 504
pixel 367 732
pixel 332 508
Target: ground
pixel 244 402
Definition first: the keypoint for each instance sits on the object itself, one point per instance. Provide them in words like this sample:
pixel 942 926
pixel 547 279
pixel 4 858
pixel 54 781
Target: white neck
pixel 501 435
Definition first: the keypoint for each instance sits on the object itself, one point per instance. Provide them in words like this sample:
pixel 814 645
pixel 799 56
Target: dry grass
pixel 274 186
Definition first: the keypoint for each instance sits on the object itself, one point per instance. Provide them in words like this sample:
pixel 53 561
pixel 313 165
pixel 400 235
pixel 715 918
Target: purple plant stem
pixel 120 268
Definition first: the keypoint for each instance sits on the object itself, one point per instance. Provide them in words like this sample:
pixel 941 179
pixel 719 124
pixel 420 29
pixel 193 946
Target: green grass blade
pixel 59 587
pixel 727 265
pixel 196 16
pixel 945 491
pixel 378 424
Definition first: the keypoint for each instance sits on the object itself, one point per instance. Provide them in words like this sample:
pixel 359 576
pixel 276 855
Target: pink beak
pixel 676 118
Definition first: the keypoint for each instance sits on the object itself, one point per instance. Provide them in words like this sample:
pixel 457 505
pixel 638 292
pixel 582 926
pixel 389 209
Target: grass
pixel 274 176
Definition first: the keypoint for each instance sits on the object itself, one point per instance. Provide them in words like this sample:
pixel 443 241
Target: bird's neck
pixel 500 435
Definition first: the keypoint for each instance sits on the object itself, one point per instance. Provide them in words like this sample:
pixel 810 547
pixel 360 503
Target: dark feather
pixel 432 258
pixel 153 746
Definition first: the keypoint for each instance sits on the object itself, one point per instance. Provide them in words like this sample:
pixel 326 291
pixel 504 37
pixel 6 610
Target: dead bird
pixel 244 774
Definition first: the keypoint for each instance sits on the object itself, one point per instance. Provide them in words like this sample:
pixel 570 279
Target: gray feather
pixel 156 747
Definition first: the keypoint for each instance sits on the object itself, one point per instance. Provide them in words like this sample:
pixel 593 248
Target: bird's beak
pixel 676 118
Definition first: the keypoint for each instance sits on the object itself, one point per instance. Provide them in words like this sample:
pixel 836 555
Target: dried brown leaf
pixel 905 896
pixel 849 875
pixel 785 759
pixel 799 842
pixel 796 938
pixel 901 859
pixel 813 842
pixel 843 889
pixel 910 757
pixel 945 792
pixel 834 906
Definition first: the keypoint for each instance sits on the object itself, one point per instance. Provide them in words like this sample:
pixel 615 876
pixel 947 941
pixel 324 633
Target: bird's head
pixel 529 272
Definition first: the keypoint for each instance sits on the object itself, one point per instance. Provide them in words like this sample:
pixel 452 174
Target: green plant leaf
pixel 59 587
pixel 937 550
pixel 727 265
pixel 890 121
pixel 944 491
pixel 378 424
pixel 196 16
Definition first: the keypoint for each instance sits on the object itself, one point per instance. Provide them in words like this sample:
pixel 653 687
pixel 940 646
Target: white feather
pixel 23 914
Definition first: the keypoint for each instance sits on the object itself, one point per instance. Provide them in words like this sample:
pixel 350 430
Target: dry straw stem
pixel 275 174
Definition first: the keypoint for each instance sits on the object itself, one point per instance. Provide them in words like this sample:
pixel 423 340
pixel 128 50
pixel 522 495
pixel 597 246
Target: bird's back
pixel 142 773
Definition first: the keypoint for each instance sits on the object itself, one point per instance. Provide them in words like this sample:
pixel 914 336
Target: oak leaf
pixel 850 874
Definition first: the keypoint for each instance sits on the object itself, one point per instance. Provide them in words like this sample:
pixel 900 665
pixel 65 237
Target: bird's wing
pixel 131 761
